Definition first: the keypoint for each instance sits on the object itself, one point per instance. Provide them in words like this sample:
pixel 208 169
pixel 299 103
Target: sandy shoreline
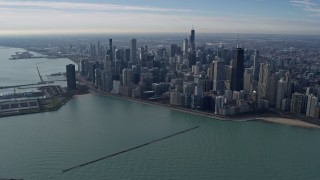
pixel 289 122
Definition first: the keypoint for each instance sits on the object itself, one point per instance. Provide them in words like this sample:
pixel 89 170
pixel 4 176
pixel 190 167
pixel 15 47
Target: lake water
pixel 24 71
pixel 40 146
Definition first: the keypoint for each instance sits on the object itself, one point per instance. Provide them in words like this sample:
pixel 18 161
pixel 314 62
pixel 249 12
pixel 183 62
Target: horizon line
pixel 68 33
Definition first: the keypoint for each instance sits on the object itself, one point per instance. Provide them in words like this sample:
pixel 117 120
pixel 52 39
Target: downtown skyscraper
pixel 219 75
pixel 237 70
pixel 264 75
pixel 192 40
pixel 71 76
pixel 111 50
pixel 107 75
pixel 185 47
pixel 192 55
pixel 133 51
pixel 256 65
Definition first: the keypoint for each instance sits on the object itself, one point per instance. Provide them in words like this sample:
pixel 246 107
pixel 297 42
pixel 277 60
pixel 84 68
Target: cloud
pixel 86 6
pixel 57 18
pixel 311 7
pixel 303 2
pixel 16 21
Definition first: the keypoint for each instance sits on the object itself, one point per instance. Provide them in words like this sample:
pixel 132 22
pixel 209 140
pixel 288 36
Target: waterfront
pixel 40 146
pixel 271 118
pixel 23 71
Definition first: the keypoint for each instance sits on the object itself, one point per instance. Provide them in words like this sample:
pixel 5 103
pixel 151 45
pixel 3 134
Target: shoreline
pixel 267 119
pixel 274 119
pixel 288 122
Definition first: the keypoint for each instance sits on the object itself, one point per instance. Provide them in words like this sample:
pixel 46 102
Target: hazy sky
pixel 216 16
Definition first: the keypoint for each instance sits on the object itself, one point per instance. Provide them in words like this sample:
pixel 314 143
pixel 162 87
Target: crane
pixel 41 80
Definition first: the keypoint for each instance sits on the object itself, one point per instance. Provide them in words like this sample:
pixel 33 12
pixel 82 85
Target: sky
pixel 300 17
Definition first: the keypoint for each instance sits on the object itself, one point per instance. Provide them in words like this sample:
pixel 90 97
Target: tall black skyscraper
pixel 192 57
pixel 192 36
pixel 110 50
pixel 133 51
pixel 192 54
pixel 237 70
pixel 71 76
pixel 192 40
pixel 173 50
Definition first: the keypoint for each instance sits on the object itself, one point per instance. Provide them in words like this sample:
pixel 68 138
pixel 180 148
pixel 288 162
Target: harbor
pixel 36 89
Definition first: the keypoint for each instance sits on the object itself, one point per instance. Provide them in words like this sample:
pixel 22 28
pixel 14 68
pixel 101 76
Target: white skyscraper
pixel 127 77
pixel 256 65
pixel 298 103
pixel 247 80
pixel 311 105
pixel 281 92
pixel 219 103
pixel 185 48
pixel 263 80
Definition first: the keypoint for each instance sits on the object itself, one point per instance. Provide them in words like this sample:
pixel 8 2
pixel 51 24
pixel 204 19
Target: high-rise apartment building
pixel 256 65
pixel 281 92
pixel 133 51
pixel 71 76
pixel 311 105
pixel 247 80
pixel 219 75
pixel 263 80
pixel 272 89
pixel 107 75
pixel 127 77
pixel 211 71
pixel 298 103
pixel 185 48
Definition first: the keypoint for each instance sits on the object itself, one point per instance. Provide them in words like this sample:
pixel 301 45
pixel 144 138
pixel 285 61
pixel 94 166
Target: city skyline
pixel 104 103
pixel 109 16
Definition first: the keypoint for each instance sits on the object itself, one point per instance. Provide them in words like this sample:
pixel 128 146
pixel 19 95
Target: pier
pixel 130 149
pixel 26 85
pixel 17 86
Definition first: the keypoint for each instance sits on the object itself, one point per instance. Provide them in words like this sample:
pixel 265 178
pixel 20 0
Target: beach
pixel 288 121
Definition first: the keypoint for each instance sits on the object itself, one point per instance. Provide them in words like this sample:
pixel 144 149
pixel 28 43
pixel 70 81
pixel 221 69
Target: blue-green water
pixel 40 146
pixel 24 71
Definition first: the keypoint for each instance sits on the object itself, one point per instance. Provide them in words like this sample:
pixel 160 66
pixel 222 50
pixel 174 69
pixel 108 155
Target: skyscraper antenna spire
pixel 238 40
